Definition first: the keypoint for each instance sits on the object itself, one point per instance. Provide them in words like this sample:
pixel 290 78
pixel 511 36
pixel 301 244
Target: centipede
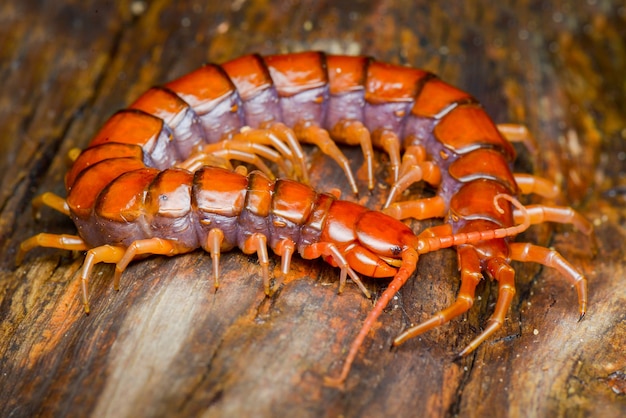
pixel 194 163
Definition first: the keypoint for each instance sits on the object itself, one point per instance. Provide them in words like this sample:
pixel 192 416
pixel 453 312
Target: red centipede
pixel 158 179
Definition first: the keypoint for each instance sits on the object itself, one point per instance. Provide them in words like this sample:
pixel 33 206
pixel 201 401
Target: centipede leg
pixel 52 201
pixel 559 214
pixel 326 249
pixel 413 170
pixel 389 142
pixel 413 155
pixel 213 246
pixel 519 133
pixel 251 136
pixel 157 246
pixel 526 252
pixel 288 136
pixel 258 243
pixel 232 154
pixel 73 154
pixel 352 132
pixel 249 148
pixel 534 184
pixel 199 159
pixel 220 154
pixel 319 137
pixel 285 249
pixel 102 254
pixel 63 242
pixel 500 270
pixel 471 275
pixel 426 208
pixel 265 137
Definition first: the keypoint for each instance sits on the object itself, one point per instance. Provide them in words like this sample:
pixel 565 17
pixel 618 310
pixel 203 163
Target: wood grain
pixel 167 344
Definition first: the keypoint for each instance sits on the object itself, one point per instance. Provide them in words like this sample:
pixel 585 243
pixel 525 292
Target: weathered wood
pixel 167 344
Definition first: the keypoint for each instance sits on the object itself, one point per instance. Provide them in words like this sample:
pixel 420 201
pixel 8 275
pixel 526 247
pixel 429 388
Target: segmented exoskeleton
pixel 157 178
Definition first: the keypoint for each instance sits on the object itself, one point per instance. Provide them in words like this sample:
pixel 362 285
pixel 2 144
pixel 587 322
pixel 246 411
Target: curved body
pixel 214 102
pixel 146 184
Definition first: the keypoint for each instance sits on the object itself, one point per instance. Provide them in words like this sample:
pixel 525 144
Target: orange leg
pixel 262 136
pixel 471 275
pixel 158 246
pixel 313 134
pixel 72 155
pixel 518 133
pixel 550 258
pixel 199 159
pixel 63 242
pixel 353 132
pixel 389 142
pixel 285 249
pixel 500 270
pixel 532 184
pixel 247 147
pixel 255 243
pixel 327 249
pixel 232 154
pixel 258 243
pixel 414 168
pixel 213 245
pixel 102 254
pixel 282 139
pixel 52 201
pixel 242 170
pixel 122 257
pixel 288 136
pixel 560 214
pixel 413 155
pixel 426 171
pixel 430 207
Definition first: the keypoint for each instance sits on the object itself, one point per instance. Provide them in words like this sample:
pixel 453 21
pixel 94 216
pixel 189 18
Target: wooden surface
pixel 166 344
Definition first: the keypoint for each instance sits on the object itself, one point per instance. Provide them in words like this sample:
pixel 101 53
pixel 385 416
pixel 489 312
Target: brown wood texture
pixel 167 345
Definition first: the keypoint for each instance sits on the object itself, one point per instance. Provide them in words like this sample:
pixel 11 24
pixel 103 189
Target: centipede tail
pixel 159 178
